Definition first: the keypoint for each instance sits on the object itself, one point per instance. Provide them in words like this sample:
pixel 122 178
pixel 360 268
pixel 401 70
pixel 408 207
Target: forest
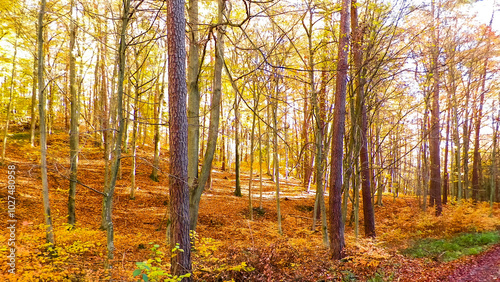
pixel 250 140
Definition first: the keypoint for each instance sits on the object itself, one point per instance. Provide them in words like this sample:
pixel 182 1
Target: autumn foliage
pixel 227 245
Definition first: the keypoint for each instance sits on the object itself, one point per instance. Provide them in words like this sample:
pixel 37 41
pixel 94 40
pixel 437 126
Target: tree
pixel 368 213
pixel 49 230
pixel 237 188
pixel 336 225
pixel 193 95
pixel 434 134
pixel 476 163
pixel 158 119
pixel 74 130
pixel 256 97
pixel 276 165
pixel 110 189
pixel 319 205
pixel 213 129
pixel 9 105
pixel 178 125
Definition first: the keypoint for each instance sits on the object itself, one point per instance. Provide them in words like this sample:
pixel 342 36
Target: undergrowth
pixel 453 248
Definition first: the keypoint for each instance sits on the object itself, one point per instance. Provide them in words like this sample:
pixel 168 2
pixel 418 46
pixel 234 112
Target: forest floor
pixel 228 245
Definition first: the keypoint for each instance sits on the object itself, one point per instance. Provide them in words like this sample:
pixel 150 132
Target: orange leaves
pixel 402 219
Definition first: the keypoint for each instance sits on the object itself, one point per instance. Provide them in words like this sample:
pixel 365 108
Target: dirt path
pixel 484 267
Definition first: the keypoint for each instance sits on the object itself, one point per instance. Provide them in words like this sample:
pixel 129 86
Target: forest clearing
pixel 228 245
pixel 248 140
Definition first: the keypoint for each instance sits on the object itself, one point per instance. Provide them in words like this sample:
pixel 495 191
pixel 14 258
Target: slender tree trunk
pixel 335 200
pixel 193 95
pixel 252 135
pixel 108 198
pixel 275 153
pixel 494 167
pixel 127 120
pixel 260 167
pixel 476 164
pixel 144 113
pixel 223 141
pixel 446 176
pixel 159 114
pixel 378 157
pixel 419 175
pixel 425 165
pixel 33 101
pixel 319 136
pixel 305 139
pixel 368 213
pixel 268 140
pixel 104 105
pixel 74 130
pixel 49 233
pixel 356 177
pixel 94 99
pixel 434 140
pixel 456 136
pixel 134 136
pixel 50 104
pixel 213 130
pixel 466 140
pixel 237 190
pixel 9 105
pixel 66 99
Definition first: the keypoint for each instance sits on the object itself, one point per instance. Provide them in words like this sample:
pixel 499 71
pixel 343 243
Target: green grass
pixel 453 248
pixel 20 136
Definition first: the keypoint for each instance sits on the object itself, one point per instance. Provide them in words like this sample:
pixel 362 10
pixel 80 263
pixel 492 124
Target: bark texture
pixel 49 231
pixel 336 225
pixel 74 133
pixel 178 125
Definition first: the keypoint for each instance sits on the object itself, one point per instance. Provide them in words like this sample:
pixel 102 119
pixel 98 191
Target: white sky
pixel 484 10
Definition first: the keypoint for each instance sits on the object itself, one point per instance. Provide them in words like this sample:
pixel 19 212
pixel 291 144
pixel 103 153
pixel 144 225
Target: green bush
pixel 153 268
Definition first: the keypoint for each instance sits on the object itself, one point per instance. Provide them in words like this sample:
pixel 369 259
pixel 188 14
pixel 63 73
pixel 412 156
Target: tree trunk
pixel 237 190
pixel 110 189
pixel 50 103
pixel 268 141
pixel 456 124
pixel 494 167
pixel 425 165
pixel 9 105
pixel 193 95
pixel 446 176
pixel 178 125
pixel 74 130
pixel 275 153
pixel 213 130
pixel 159 120
pixel 127 120
pixel 223 141
pixel 49 233
pixel 378 158
pixel 368 213
pixel 260 167
pixel 134 150
pixel 466 139
pixel 33 101
pixel 307 171
pixel 335 200
pixel 476 164
pixel 319 205
pixel 135 116
pixel 434 140
pixel 252 135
